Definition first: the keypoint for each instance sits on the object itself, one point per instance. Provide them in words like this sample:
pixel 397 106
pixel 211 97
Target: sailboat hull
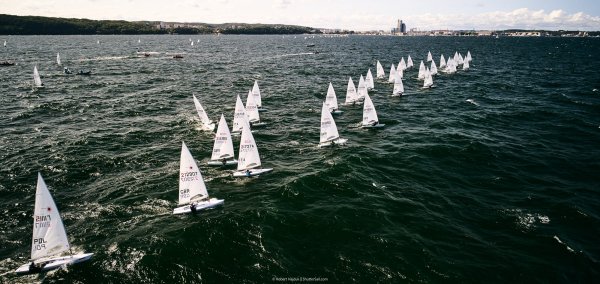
pixel 55 263
pixel 253 172
pixel 220 163
pixel 373 126
pixel 339 141
pixel 200 206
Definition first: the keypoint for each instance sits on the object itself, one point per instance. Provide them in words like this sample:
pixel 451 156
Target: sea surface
pixel 502 188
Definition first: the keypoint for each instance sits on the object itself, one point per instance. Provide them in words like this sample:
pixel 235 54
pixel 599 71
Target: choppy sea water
pixel 500 189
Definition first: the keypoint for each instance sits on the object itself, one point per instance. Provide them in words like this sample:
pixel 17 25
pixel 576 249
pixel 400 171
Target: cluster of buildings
pixel 400 28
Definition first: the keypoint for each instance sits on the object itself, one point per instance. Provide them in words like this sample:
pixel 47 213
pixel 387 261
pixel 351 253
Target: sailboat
pixel 239 117
pixel 49 239
pixel 433 68
pixel 257 97
pixel 442 61
pixel 351 95
pixel 248 158
pixel 362 89
pixel 429 58
pixel 4 43
pixel 369 80
pixel 222 153
pixel 192 43
pixel 252 111
pixel 409 62
pixel 392 72
pixel 402 64
pixel 465 65
pixel 329 132
pixel 37 82
pixel 58 59
pixel 207 124
pixel 450 66
pixel 460 59
pixel 193 195
pixel 370 119
pixel 468 58
pixel 398 86
pixel 422 74
pixel 380 71
pixel 331 101
pixel 428 82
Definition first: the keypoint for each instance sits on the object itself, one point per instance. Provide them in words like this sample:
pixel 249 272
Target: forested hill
pixel 34 25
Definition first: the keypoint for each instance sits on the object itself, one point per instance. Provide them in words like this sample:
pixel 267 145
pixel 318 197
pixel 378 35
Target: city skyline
pixel 335 14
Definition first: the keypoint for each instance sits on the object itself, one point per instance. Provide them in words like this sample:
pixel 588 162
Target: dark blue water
pixel 505 189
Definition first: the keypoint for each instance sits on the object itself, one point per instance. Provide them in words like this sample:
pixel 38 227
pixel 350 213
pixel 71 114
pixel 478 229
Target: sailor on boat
pixel 67 70
pixel 193 207
pixel 35 268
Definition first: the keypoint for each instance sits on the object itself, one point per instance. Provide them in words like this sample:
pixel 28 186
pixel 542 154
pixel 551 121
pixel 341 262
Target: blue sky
pixel 353 14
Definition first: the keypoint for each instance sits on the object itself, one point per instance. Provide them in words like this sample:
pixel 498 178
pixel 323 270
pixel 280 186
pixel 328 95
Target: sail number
pixel 189 176
pixel 39 243
pixel 184 193
pixel 42 221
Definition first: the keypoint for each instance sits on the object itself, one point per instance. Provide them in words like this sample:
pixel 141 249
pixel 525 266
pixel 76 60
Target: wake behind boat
pixel 193 195
pixel 49 236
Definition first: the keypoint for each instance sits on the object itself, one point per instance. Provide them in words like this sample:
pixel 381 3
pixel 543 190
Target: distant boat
pixel 239 117
pixel 331 100
pixel 351 95
pixel 248 157
pixel 422 70
pixel 362 89
pixel 98 42
pixel 139 40
pixel 468 58
pixel 58 59
pixel 450 66
pixel 177 56
pixel 252 111
pixel 401 64
pixel 37 82
pixel 392 74
pixel 329 133
pixel 5 43
pixel 409 62
pixel 222 153
pixel 465 65
pixel 193 195
pixel 428 81
pixel 442 61
pixel 429 58
pixel 380 71
pixel 49 239
pixel 207 124
pixel 369 80
pixel 461 60
pixel 433 68
pixel 257 96
pixel 370 119
pixel 398 86
pixel 192 43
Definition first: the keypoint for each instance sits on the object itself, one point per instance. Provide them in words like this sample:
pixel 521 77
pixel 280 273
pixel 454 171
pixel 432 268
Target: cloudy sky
pixel 350 14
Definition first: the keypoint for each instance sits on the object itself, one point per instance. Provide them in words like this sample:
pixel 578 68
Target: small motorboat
pixel 84 72
pixel 6 63
pixel 177 56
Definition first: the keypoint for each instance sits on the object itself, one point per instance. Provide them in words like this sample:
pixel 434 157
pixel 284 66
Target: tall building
pixel 400 28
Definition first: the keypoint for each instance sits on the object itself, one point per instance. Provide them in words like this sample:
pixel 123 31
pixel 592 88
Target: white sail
pixel 433 68
pixel 398 86
pixel 256 94
pixel 369 80
pixel 380 71
pixel 399 72
pixel 369 113
pixel 362 88
pixel 248 157
pixel 192 43
pixel 428 82
pixel 468 56
pixel 442 61
pixel 239 116
pixel 36 77
pixel 49 235
pixel 460 59
pixel 331 99
pixel 429 58
pixel 223 147
pixel 329 130
pixel 58 58
pixel 392 76
pixel 351 95
pixel 402 64
pixel 466 65
pixel 191 183
pixel 409 62
pixel 450 66
pixel 252 109
pixel 456 57
pixel 5 43
pixel 207 124
pixel 422 74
